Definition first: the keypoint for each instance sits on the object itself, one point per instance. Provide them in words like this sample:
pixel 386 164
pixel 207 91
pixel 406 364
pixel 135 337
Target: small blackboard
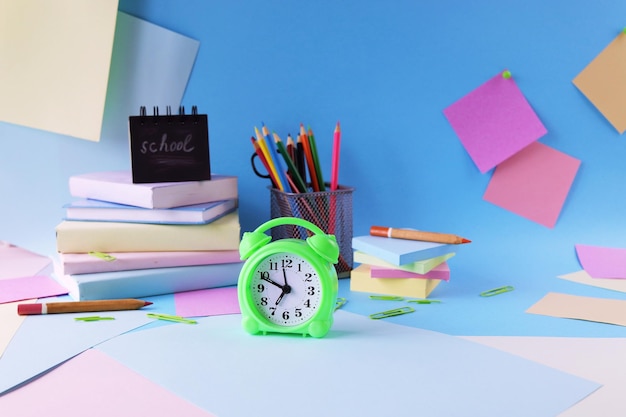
pixel 169 148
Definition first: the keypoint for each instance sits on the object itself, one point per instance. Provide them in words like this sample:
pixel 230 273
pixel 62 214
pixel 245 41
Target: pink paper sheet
pixel 602 262
pixel 494 122
pixel 94 384
pixel 534 183
pixel 17 289
pixel 210 302
pixel 19 262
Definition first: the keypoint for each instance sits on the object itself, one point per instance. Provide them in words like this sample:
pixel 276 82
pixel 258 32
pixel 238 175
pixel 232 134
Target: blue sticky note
pixel 400 251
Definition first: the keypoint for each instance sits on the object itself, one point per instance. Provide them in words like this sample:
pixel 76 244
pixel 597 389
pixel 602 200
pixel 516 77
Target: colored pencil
pixel 291 149
pixel 270 160
pixel 316 161
pixel 300 158
pixel 280 167
pixel 300 185
pixel 309 158
pixel 81 306
pixel 261 156
pixel 410 234
pixel 334 176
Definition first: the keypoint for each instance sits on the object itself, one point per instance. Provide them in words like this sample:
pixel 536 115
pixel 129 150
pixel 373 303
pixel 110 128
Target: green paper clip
pixel 424 301
pixel 391 313
pixel 168 317
pixel 506 74
pixel 103 256
pixel 93 318
pixel 496 291
pixel 340 302
pixel 386 297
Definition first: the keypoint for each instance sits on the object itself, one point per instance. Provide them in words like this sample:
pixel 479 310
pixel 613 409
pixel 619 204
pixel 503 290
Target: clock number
pixel 308 277
pixel 263 301
pixel 264 274
pixel 273 266
pixel 260 287
pixel 298 312
pixel 273 310
pixel 285 315
pixel 307 303
pixel 310 290
pixel 287 263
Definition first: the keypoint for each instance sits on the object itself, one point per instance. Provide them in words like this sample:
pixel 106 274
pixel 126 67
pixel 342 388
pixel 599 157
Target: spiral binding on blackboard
pixel 168 112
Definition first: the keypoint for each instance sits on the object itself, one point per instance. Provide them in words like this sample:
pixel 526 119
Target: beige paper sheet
pixel 602 310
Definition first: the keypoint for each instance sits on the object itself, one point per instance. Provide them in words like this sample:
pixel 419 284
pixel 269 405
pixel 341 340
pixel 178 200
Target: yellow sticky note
pixel 604 84
pixel 361 280
pixel 55 64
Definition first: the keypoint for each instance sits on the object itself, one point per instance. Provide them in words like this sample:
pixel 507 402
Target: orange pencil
pixel 417 235
pixel 309 158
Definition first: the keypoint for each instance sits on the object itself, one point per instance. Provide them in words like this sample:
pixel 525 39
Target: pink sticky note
pixel 441 271
pixel 602 262
pixel 210 302
pixel 534 183
pixel 17 289
pixel 95 384
pixel 494 122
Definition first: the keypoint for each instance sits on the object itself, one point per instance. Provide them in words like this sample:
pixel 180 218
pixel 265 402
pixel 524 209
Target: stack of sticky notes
pixel 400 267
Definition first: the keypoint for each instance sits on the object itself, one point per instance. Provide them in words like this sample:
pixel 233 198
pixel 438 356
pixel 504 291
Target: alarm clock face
pixel 286 289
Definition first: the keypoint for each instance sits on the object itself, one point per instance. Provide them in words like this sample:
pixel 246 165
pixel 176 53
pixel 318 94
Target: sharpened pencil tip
pixel 466 241
pixel 147 303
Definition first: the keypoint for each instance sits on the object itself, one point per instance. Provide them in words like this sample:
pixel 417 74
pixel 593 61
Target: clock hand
pixel 286 288
pixel 272 282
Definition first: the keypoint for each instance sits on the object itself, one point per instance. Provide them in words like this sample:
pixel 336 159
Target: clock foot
pixel 250 325
pixel 319 328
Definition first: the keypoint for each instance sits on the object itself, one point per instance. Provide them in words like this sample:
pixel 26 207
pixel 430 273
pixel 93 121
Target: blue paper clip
pixel 391 313
pixel 496 291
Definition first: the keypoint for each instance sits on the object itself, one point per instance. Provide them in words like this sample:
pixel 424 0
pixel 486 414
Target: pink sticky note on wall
pixel 494 122
pixel 602 262
pixel 534 183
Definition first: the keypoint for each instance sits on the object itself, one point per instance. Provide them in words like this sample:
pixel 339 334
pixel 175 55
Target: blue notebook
pixel 148 282
pixel 400 251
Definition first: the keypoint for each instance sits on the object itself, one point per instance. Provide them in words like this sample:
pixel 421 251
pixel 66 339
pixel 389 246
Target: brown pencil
pixel 81 306
pixel 417 235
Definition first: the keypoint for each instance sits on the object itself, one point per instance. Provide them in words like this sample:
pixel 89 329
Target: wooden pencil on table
pixel 81 306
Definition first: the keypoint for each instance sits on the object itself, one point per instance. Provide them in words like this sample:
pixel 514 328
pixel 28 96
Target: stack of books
pixel 399 267
pixel 125 240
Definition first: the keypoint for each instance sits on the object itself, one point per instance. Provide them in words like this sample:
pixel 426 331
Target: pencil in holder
pixel 331 211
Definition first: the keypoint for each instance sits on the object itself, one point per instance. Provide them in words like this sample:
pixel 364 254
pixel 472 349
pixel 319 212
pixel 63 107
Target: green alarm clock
pixel 288 285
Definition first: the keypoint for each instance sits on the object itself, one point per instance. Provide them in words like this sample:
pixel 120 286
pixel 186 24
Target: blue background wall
pixel 386 70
